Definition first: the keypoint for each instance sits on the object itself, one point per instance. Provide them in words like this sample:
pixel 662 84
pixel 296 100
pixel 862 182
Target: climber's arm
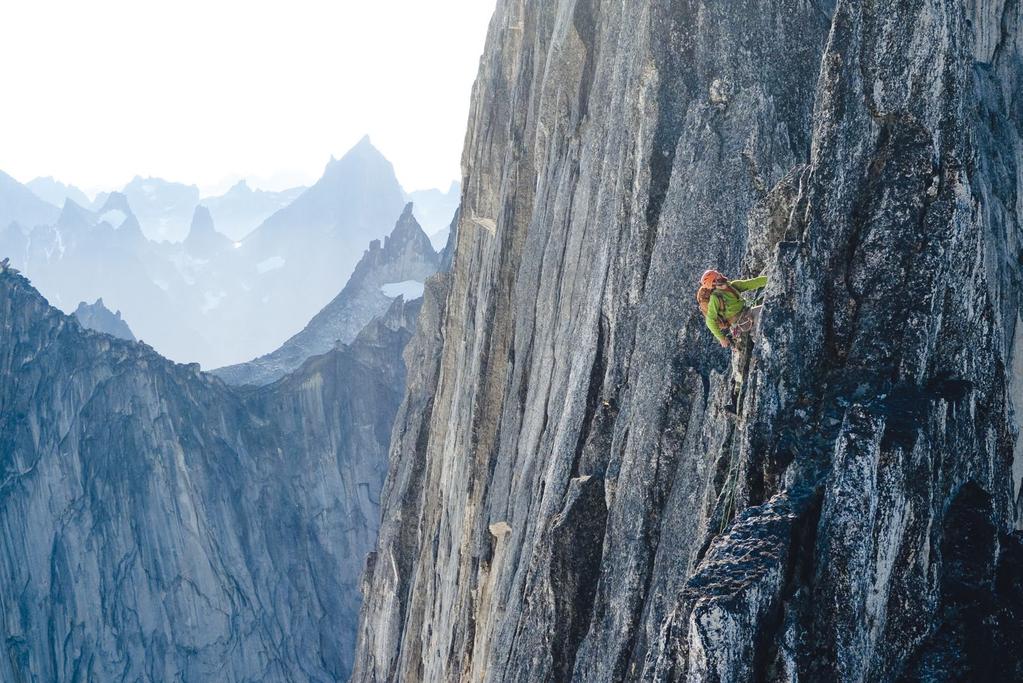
pixel 752 283
pixel 712 319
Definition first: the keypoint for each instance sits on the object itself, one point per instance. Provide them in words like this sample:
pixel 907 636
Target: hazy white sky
pixel 207 91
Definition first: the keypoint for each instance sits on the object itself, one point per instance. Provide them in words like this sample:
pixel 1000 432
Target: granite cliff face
pixel 406 256
pixel 158 525
pixel 567 500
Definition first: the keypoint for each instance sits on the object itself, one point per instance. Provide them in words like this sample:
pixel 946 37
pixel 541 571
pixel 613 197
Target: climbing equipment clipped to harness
pixel 747 318
pixel 743 323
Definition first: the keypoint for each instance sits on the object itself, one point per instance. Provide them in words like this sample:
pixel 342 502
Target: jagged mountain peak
pixel 53 191
pixel 406 216
pixel 74 217
pixel 319 237
pixel 361 156
pixel 406 257
pixel 347 182
pixel 203 238
pixel 116 201
pixel 240 188
pixel 99 318
pixel 408 229
pixel 202 222
pixel 406 243
pixel 364 143
pixel 19 203
pixel 116 212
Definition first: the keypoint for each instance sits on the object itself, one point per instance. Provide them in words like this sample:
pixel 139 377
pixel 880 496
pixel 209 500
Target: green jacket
pixel 732 304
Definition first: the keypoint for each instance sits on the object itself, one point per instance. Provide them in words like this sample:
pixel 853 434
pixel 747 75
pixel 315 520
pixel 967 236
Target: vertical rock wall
pixel 156 525
pixel 568 501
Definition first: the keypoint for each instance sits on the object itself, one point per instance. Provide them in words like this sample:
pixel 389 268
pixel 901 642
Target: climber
pixel 726 313
pixel 733 321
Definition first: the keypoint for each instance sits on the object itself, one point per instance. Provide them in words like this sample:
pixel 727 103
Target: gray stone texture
pixel 567 500
pixel 157 525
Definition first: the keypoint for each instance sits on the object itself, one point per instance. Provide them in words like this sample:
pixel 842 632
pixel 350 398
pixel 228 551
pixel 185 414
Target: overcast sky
pixel 208 91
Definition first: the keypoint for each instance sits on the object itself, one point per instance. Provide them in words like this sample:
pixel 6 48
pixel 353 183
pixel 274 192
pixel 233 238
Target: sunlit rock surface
pixel 567 499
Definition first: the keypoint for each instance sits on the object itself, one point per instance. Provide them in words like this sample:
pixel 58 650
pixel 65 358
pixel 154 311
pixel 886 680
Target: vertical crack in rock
pixel 868 157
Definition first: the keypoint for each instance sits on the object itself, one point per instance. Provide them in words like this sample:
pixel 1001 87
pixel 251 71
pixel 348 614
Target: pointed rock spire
pixel 203 238
pixel 73 216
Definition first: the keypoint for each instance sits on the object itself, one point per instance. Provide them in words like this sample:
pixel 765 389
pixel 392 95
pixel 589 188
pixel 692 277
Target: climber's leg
pixel 744 334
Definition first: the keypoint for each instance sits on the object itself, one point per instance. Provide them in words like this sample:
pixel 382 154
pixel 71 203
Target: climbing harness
pixel 745 320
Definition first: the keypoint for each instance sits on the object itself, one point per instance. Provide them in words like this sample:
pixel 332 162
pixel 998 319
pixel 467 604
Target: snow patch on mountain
pixel 272 263
pixel 115 217
pixel 410 289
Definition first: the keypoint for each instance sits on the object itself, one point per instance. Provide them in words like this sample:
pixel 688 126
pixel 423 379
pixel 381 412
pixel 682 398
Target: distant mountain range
pixel 402 264
pixel 56 193
pixel 434 209
pixel 164 209
pixel 241 209
pixel 205 296
pixel 20 205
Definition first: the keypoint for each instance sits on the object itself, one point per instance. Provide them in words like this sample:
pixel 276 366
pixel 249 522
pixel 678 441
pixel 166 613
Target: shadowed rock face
pixel 157 525
pixel 859 520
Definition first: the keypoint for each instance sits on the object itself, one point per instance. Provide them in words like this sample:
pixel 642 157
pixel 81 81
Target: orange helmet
pixel 711 277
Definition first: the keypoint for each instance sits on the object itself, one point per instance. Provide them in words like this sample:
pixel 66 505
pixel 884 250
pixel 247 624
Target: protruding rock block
pixel 500 529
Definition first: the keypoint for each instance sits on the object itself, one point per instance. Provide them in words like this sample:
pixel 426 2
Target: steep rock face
pixel 406 255
pixel 99 318
pixel 858 520
pixel 157 525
